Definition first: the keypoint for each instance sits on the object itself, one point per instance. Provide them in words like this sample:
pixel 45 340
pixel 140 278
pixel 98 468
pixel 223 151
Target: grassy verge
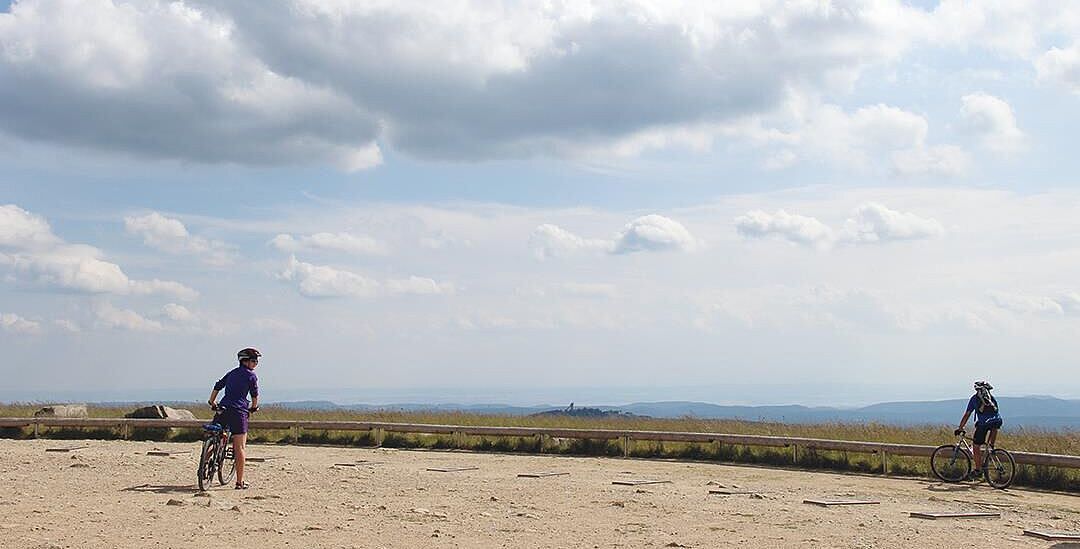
pixel 1030 440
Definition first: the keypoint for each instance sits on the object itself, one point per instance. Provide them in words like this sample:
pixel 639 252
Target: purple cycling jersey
pixel 238 383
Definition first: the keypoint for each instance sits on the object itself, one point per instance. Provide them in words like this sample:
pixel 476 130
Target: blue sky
pixel 867 199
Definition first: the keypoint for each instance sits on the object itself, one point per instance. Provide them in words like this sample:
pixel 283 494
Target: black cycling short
pixel 981 430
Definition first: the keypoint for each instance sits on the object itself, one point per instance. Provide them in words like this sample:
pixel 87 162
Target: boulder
pixel 159 412
pixel 62 410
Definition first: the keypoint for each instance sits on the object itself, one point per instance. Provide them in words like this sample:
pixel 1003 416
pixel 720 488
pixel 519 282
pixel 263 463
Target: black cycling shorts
pixel 981 430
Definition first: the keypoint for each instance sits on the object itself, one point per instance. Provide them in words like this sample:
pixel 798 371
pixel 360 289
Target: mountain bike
pixel 953 463
pixel 216 458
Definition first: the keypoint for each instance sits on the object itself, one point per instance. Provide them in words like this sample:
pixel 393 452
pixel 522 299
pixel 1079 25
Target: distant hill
pixel 1038 412
pixel 587 412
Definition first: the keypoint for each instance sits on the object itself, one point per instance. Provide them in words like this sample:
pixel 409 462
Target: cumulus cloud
pixel 553 241
pixel 338 242
pixel 871 223
pixel 170 235
pixel 803 230
pixel 1061 66
pixel 67 325
pixel 326 281
pixel 179 313
pixel 649 233
pixel 653 233
pixel 109 316
pixel 171 71
pixel 15 324
pixel 991 119
pixel 1056 305
pixel 283 81
pixel 36 255
pixel 22 229
pixel 879 137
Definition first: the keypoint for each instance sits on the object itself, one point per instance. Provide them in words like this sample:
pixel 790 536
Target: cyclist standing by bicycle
pixel 234 407
pixel 987 422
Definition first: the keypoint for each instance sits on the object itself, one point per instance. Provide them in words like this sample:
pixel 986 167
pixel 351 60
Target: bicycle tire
pixel 1000 469
pixel 227 464
pixel 950 463
pixel 207 463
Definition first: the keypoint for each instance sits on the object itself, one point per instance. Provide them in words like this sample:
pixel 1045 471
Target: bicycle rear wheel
pixel 207 462
pixel 227 467
pixel 1000 469
pixel 950 463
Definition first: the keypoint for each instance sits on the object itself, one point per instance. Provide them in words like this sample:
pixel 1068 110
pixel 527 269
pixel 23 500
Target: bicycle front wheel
pixel 1000 469
pixel 950 463
pixel 227 464
pixel 207 463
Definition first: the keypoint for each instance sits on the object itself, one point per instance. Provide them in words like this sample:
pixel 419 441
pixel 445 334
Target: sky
pixel 759 202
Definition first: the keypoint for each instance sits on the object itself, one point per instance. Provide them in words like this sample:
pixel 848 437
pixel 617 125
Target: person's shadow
pixel 163 489
pixel 941 487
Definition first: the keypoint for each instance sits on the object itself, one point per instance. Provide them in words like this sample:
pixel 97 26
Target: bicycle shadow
pixel 941 487
pixel 1066 545
pixel 163 488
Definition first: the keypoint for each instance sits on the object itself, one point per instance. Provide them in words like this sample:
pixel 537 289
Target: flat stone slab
pixel 541 474
pixel 973 514
pixel 451 469
pixel 639 482
pixel 66 449
pixel 1053 536
pixel 831 502
pixel 166 453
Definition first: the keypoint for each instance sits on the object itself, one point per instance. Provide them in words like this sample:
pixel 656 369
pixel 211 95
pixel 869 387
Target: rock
pixel 79 466
pixel 236 508
pixel 62 410
pixel 174 502
pixel 159 412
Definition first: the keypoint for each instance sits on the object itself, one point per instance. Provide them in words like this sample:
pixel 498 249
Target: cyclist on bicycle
pixel 234 408
pixel 987 422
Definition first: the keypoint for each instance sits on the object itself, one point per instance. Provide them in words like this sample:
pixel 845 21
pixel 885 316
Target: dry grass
pixel 1031 440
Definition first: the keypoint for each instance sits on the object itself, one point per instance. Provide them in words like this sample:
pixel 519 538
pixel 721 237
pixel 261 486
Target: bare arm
pixel 212 401
pixel 963 422
pixel 254 402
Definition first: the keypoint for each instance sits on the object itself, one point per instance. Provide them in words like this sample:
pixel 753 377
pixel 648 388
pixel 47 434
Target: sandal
pixel 242 486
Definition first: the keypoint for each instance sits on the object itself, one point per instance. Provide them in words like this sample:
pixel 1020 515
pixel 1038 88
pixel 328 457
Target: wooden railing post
pixel 294 434
pixel 626 443
pixel 795 453
pixel 36 425
pixel 884 462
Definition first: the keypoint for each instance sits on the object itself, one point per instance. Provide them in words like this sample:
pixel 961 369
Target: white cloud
pixel 339 242
pixel 21 229
pixel 991 119
pixel 807 231
pixel 272 82
pixel 1027 304
pixel 649 233
pixel 1061 66
pixel 944 160
pixel 326 281
pixel 170 235
pixel 874 223
pixel 40 257
pixel 13 323
pixel 549 241
pixel 589 290
pixel 67 325
pixel 124 319
pixel 871 223
pixel 179 313
pixel 654 233
pixel 416 285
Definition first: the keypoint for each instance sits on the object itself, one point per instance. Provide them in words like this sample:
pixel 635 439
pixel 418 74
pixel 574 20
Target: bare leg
pixel 239 448
pixel 977 450
pixel 992 439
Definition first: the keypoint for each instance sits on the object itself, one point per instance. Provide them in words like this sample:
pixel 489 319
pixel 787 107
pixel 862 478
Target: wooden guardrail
pixel 625 436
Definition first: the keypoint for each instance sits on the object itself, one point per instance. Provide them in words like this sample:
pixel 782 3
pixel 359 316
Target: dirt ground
pixel 112 494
